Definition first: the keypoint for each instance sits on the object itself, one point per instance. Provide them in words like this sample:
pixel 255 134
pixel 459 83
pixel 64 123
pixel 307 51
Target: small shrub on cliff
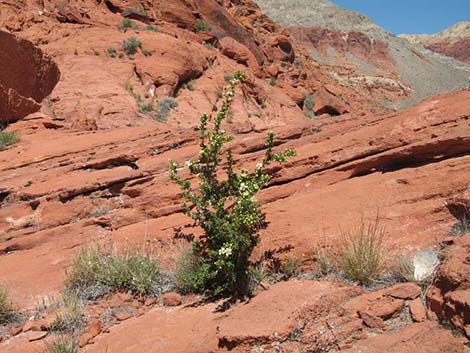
pixel 95 271
pixel 200 26
pixel 308 106
pixel 7 139
pixel 361 256
pixel 131 45
pixel 127 24
pixel 7 313
pixel 164 107
pixel 225 208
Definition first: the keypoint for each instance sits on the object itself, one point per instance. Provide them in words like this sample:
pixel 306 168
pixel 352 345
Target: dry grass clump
pixel 361 253
pixel 96 271
pixel 403 269
pixel 62 344
pixel 72 318
pixel 7 312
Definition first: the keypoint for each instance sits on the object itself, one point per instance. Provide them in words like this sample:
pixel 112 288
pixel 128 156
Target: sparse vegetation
pixel 361 257
pixel 289 267
pixel 226 210
pixel 324 264
pixel 72 318
pixel 273 81
pixel 62 344
pixel 164 107
pixel 7 139
pixel 7 313
pixel 200 26
pixel 112 52
pixel 95 271
pixel 152 28
pixel 127 24
pixel 461 227
pixel 131 45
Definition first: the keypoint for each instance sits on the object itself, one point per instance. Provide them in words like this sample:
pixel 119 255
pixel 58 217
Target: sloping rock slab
pixel 274 314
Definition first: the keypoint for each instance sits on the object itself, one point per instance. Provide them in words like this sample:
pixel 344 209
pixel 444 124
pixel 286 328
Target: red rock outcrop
pixel 27 77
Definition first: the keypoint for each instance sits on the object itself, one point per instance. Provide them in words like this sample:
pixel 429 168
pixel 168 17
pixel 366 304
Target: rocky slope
pixel 453 41
pixel 360 53
pixel 92 166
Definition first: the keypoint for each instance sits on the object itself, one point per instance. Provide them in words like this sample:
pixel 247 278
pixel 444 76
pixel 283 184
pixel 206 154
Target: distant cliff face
pixel 453 42
pixel 362 54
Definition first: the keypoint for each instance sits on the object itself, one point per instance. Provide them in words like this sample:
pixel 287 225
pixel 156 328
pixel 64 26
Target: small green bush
pixel 7 312
pixel 112 52
pixel 63 344
pixel 7 139
pixel 200 26
pixel 361 256
pixel 152 28
pixel 273 81
pixel 127 24
pixel 94 269
pixel 226 209
pixel 289 267
pixel 164 107
pixel 131 45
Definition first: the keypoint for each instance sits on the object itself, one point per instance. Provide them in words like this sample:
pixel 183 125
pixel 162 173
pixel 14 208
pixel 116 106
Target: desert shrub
pixel 165 105
pixel 127 24
pixel 461 227
pixel 62 344
pixel 225 208
pixel 200 26
pixel 7 139
pixel 131 45
pixel 95 271
pixel 273 81
pixel 7 313
pixel 361 255
pixel 190 277
pixel 72 318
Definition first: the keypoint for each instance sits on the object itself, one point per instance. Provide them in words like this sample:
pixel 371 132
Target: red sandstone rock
pixel 449 298
pixel 28 76
pixel 171 299
pixel 417 310
pixel 93 329
pixel 405 291
pixel 36 335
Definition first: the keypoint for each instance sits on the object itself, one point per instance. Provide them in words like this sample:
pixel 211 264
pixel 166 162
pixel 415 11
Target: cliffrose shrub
pixel 225 208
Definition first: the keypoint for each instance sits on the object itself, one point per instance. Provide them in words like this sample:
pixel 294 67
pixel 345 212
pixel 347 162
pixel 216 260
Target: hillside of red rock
pixel 453 42
pixel 92 166
pixel 395 72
